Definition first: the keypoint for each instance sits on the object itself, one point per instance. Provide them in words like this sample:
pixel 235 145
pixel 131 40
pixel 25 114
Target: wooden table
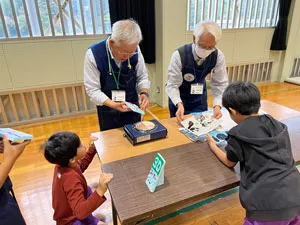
pixel 200 174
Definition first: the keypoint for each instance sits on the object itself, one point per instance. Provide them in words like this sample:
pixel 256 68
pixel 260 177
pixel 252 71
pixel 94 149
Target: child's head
pixel 63 148
pixel 241 98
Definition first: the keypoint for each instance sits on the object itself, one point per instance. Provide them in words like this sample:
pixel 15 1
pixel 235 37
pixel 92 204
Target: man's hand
pixel 102 186
pixel 180 112
pixel 217 112
pixel 121 106
pixel 12 152
pixel 143 101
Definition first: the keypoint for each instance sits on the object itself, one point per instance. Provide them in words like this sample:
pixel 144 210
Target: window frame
pixel 71 26
pixel 250 17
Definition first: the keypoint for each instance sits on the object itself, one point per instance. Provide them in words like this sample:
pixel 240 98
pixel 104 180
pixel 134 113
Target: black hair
pixel 61 147
pixel 244 97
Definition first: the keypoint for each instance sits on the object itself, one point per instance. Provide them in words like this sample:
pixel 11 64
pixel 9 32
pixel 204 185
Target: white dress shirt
pixel 218 82
pixel 92 76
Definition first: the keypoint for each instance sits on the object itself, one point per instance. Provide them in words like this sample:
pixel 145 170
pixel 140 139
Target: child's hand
pixel 104 179
pixel 92 147
pixel 211 142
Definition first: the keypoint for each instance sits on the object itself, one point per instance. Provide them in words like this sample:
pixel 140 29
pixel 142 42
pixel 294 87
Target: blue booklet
pixel 134 108
pixel 218 136
pixel 14 135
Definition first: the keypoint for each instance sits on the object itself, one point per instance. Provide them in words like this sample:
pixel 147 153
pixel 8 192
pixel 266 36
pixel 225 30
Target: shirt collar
pixel 109 49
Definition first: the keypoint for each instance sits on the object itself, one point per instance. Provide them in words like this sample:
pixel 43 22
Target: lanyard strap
pixel 117 81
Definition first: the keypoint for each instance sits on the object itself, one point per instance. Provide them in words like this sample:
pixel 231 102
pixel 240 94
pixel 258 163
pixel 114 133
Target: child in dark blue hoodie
pixel 270 182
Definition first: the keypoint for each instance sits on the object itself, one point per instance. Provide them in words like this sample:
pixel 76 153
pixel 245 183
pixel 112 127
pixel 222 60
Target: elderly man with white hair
pixel 115 72
pixel 189 66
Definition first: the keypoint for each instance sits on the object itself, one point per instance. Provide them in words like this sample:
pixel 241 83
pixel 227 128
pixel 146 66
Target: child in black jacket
pixel 270 182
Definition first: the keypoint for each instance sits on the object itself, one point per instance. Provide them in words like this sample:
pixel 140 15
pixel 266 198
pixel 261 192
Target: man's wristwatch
pixel 145 93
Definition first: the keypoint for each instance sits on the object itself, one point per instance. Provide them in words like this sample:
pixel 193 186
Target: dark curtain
pixel 279 36
pixel 141 11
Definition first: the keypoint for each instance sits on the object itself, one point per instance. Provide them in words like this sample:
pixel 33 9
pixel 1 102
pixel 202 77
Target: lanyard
pixel 113 72
pixel 117 81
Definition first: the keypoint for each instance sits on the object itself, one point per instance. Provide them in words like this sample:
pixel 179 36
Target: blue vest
pixel 191 102
pixel 127 77
pixel 110 118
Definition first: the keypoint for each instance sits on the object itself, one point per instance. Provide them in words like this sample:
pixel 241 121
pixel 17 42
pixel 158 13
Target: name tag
pixel 197 89
pixel 118 95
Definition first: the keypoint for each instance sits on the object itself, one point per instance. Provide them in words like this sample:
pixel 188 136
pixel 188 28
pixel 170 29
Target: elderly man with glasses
pixel 189 66
pixel 115 72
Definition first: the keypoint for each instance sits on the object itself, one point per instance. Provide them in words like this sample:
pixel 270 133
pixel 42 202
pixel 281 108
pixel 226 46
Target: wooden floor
pixel 32 174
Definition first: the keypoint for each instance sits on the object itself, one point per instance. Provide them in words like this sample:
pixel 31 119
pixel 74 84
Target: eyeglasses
pixel 124 54
pixel 127 53
pixel 205 47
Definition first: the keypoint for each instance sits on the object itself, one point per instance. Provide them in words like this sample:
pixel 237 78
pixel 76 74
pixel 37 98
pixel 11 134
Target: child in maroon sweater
pixel 72 200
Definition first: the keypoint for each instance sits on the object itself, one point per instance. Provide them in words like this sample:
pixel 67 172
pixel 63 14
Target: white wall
pixel 42 63
pixel 4 73
pixel 170 34
pixel 293 40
